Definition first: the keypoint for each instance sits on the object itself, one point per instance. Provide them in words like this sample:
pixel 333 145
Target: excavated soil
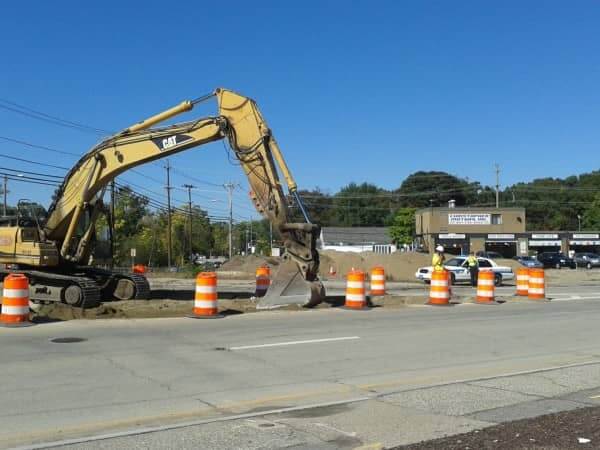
pixel 244 267
pixel 145 309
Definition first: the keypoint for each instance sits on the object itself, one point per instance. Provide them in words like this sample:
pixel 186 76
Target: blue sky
pixel 354 91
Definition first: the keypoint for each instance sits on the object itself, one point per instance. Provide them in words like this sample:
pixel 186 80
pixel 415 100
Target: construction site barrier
pixel 537 284
pixel 205 299
pixel 15 301
pixel 263 280
pixel 139 268
pixel 523 282
pixel 485 287
pixel 439 289
pixel 356 298
pixel 378 281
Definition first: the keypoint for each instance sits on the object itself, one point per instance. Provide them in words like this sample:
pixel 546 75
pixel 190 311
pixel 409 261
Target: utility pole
pixel 497 186
pixel 230 187
pixel 168 187
pixel 251 237
pixel 5 191
pixel 112 223
pixel 189 188
pixel 271 236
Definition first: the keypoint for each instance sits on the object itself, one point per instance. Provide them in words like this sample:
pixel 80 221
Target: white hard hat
pixel 439 248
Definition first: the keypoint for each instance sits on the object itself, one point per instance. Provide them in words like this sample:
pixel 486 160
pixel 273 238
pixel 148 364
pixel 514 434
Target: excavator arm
pixel 241 123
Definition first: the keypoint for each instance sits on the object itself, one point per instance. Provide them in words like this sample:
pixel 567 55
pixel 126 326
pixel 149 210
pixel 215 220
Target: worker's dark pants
pixel 474 272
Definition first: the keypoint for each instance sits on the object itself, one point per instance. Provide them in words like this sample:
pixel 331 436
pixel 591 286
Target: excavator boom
pixel 240 122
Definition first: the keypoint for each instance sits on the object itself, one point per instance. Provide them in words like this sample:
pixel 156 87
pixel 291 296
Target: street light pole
pixel 579 221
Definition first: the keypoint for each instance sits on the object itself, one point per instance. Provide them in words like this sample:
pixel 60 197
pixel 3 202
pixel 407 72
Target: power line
pixel 39 115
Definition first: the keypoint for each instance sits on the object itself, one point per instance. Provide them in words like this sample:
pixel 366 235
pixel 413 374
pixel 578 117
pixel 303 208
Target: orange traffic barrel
pixel 263 280
pixel 15 301
pixel 485 287
pixel 439 289
pixel 356 298
pixel 537 284
pixel 523 281
pixel 205 300
pixel 139 268
pixel 377 281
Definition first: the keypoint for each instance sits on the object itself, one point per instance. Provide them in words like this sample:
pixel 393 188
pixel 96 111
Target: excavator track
pixel 142 287
pixel 47 287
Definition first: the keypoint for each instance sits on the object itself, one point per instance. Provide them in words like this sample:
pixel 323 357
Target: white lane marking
pixel 595 396
pixel 147 430
pixel 280 344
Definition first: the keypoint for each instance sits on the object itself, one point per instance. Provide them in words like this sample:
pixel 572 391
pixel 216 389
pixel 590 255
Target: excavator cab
pixel 20 242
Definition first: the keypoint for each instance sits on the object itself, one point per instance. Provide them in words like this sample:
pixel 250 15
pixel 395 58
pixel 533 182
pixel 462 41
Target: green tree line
pixel 551 204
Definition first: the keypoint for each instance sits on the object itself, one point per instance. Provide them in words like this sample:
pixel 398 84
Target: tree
pixel 362 205
pixel 422 189
pixel 591 217
pixel 402 230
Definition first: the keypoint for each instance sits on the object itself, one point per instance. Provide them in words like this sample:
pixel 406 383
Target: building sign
pixel 501 236
pixel 584 243
pixel 544 236
pixel 452 236
pixel 544 243
pixel 585 236
pixel 469 219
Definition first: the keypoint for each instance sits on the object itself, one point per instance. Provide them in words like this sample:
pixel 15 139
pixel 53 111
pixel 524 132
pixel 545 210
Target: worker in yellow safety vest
pixel 473 265
pixel 437 261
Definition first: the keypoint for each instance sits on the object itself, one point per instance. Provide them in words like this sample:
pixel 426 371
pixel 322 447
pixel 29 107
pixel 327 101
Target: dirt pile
pixel 245 266
pixel 398 266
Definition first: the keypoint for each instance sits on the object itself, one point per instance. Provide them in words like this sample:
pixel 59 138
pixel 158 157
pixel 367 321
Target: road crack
pixel 134 374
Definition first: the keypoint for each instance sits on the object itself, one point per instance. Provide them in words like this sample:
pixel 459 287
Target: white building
pixel 357 239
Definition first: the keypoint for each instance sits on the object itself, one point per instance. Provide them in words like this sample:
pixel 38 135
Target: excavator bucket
pixel 289 287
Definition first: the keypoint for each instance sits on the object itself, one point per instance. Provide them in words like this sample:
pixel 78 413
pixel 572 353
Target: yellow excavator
pixel 53 252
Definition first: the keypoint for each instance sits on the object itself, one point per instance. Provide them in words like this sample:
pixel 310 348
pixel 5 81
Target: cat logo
pixel 169 142
pixel 166 143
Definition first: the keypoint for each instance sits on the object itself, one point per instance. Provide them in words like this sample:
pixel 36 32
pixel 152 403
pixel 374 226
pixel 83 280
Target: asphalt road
pixel 322 378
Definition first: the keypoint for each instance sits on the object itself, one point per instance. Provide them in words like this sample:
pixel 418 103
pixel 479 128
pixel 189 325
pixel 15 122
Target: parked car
pixel 529 261
pixel 459 270
pixel 587 260
pixel 556 260
pixel 489 255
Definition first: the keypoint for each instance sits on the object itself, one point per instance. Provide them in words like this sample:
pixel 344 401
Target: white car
pixel 459 270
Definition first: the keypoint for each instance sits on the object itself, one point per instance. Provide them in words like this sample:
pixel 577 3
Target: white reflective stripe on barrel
pixel 536 280
pixel 15 310
pixel 536 290
pixel 206 289
pixel 439 282
pixel 355 284
pixel 439 294
pixel 355 297
pixel 378 277
pixel 485 293
pixel 483 282
pixel 205 304
pixel 15 293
